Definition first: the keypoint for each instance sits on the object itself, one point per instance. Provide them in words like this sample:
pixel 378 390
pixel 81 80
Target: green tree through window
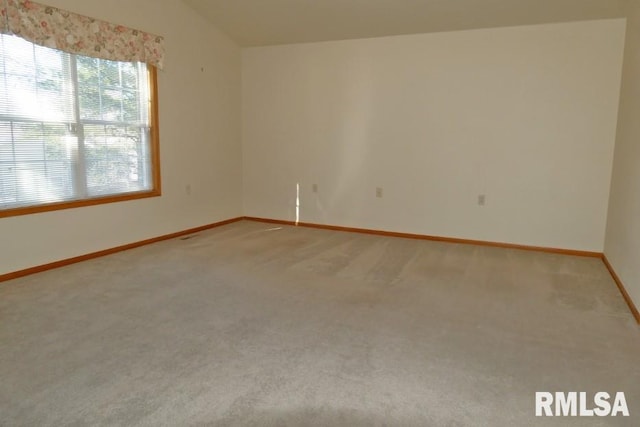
pixel 72 128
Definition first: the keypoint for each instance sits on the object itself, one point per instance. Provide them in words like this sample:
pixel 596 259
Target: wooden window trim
pixel 156 191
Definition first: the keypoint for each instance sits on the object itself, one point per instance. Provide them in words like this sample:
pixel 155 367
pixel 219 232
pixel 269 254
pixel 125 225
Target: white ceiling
pixel 267 22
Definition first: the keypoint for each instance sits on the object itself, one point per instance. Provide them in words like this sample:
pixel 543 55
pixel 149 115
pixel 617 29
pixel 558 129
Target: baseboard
pixel 68 261
pixel 623 290
pixel 428 237
pixel 62 263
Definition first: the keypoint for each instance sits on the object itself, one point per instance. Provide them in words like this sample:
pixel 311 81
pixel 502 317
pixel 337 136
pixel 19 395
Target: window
pixel 74 130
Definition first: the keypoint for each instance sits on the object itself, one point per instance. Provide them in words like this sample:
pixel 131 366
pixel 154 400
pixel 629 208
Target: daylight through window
pixel 73 128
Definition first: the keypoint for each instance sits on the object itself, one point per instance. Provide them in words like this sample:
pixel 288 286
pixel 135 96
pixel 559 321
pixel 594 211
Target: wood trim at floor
pixel 62 263
pixel 428 237
pixel 623 290
pixel 68 261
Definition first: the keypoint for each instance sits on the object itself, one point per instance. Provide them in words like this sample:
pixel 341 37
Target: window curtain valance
pixel 56 28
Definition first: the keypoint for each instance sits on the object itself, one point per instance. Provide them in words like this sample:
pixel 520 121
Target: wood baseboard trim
pixel 428 237
pixel 68 261
pixel 622 289
pixel 616 278
pixel 40 268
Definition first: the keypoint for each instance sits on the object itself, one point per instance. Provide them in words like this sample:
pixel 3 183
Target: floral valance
pixel 56 28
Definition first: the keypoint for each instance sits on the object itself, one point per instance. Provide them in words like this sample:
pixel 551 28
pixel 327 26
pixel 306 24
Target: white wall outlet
pixel 379 192
pixel 482 199
pixel 314 188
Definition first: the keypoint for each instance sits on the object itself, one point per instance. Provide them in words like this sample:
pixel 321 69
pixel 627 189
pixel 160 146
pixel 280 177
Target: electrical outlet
pixel 379 192
pixel 187 189
pixel 482 199
pixel 314 188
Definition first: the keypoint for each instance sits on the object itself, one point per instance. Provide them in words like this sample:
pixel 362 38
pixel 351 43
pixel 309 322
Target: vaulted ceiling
pixel 267 22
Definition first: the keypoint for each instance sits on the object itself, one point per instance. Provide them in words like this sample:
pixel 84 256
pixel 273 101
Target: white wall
pixel 199 140
pixel 623 229
pixel 525 115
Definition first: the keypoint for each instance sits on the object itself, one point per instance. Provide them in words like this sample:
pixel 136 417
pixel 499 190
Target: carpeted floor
pixel 261 325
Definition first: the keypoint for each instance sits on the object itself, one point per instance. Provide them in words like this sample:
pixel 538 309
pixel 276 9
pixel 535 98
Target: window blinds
pixel 71 127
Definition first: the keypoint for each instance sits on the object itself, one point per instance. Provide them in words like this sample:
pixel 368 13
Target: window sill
pixel 27 210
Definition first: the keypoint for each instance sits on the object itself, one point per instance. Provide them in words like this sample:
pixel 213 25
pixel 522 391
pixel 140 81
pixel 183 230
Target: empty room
pixel 320 213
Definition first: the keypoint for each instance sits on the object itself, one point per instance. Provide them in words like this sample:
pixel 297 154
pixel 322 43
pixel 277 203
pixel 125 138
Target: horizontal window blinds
pixel 71 127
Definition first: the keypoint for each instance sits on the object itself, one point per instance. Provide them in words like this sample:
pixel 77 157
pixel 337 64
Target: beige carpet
pixel 260 325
